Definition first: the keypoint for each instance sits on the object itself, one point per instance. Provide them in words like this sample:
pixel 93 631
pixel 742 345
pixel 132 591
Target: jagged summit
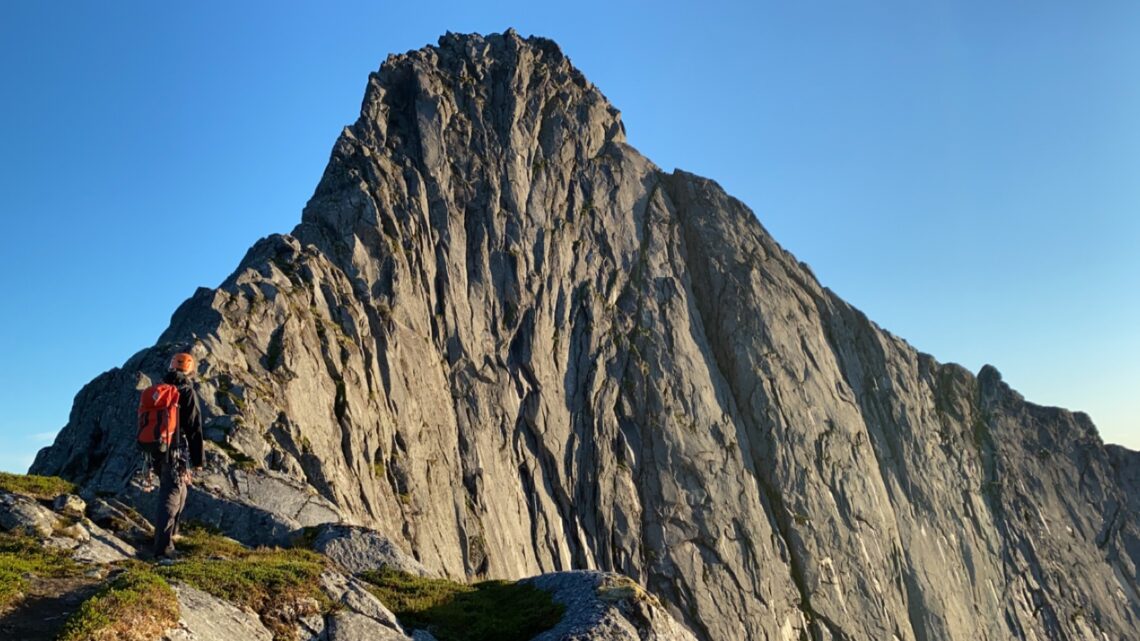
pixel 475 122
pixel 511 343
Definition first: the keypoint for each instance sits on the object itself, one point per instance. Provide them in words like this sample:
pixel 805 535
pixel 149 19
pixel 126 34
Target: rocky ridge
pixel 512 345
pixel 597 605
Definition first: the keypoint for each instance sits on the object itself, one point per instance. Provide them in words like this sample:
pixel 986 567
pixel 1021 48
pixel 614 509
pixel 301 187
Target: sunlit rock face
pixel 512 344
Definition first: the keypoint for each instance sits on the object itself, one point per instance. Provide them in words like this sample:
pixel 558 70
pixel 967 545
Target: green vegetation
pixel 241 460
pixel 225 394
pixel 488 611
pixel 135 605
pixel 266 580
pixel 39 487
pixel 21 556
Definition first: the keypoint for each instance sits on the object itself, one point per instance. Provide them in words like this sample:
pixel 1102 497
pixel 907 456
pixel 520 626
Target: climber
pixel 173 466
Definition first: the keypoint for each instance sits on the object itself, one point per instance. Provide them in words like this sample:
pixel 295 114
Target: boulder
pixel 102 546
pixel 70 505
pixel 312 628
pixel 351 596
pixel 350 626
pixel 357 549
pixel 24 515
pixel 120 518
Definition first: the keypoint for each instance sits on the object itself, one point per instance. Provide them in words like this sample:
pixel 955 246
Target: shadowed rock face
pixel 511 343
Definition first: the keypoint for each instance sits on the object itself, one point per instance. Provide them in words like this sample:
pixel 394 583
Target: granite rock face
pixel 512 345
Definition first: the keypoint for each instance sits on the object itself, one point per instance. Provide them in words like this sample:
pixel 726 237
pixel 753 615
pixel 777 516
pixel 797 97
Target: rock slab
pixel 207 618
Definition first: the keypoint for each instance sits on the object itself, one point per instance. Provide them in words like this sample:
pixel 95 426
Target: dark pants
pixel 171 500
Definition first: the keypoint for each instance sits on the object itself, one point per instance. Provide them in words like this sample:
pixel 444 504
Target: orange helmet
pixel 182 362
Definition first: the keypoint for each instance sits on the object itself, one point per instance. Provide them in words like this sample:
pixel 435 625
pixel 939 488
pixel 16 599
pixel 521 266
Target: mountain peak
pixel 505 339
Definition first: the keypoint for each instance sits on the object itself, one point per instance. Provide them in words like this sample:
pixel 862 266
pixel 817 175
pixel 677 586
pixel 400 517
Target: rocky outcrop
pixel 512 345
pixel 89 543
pixel 357 550
pixel 350 613
pixel 606 607
pixel 264 508
pixel 65 526
pixel 22 514
pixel 208 618
pixel 359 615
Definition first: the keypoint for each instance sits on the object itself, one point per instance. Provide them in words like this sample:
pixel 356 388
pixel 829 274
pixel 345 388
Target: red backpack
pixel 158 418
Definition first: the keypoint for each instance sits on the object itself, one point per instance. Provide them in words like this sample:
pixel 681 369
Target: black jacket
pixel 189 416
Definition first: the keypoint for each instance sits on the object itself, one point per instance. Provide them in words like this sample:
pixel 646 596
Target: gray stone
pixel 74 531
pixel 508 342
pixel 101 546
pixel 352 596
pixel 606 607
pixel 357 549
pixel 312 628
pixel 21 514
pixel 350 626
pixel 207 618
pixel 70 505
pixel 120 518
pixel 256 508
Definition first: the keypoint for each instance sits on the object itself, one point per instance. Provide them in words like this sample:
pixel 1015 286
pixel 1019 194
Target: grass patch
pixel 273 582
pixel 40 487
pixel 24 555
pixel 487 611
pixel 136 605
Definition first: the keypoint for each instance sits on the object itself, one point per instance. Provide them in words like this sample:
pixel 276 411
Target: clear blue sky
pixel 967 173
